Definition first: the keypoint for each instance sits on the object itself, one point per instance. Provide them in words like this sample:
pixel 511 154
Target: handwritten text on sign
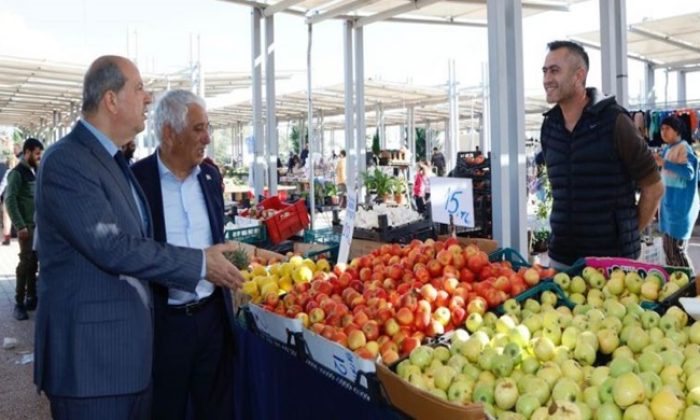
pixel 452 197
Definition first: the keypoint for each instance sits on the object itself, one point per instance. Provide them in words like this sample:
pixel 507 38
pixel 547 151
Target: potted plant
pixel 399 189
pixel 332 193
pixel 379 182
pixel 543 200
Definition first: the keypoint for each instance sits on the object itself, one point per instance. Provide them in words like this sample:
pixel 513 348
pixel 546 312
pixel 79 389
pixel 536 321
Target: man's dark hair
pixel 342 153
pixel 31 144
pixel 573 47
pixel 102 76
pixel 434 149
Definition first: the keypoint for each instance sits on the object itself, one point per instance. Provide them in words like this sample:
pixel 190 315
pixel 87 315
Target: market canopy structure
pixel 36 94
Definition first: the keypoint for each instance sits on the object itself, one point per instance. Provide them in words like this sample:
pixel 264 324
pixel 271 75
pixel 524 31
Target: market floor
pixel 18 397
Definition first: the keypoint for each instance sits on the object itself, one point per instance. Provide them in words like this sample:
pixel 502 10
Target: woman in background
pixel 680 204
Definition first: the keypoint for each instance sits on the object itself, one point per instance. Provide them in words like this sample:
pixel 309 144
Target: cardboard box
pixel 420 404
pixel 360 247
pixel 486 245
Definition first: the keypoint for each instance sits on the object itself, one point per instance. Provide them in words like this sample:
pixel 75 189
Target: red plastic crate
pixel 287 221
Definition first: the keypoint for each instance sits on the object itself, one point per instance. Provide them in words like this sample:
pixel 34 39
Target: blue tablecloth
pixel 272 384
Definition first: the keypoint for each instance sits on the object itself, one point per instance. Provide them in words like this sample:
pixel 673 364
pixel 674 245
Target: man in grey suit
pixel 94 325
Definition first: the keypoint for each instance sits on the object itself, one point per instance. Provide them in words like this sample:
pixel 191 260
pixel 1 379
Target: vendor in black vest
pixel 596 160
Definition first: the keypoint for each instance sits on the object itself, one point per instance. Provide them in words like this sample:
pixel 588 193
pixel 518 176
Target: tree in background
pixel 376 149
pixel 294 137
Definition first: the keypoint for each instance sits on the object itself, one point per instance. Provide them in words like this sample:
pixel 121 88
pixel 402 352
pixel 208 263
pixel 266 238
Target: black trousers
pixel 26 269
pixel 117 407
pixel 193 363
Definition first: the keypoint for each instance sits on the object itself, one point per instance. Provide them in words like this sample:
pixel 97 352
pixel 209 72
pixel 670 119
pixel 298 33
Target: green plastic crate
pixel 248 234
pixel 510 255
pixel 535 293
pixel 322 236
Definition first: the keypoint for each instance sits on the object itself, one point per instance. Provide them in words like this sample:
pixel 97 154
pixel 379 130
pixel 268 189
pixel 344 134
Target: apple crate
pixel 322 236
pixel 280 331
pixel 510 255
pixel 535 293
pixel 608 264
pixel 419 404
pixel 249 234
pixel 341 365
pixel 287 221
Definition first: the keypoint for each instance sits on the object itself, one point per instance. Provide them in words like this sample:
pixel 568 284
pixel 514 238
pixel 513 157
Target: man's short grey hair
pixel 103 75
pixel 171 109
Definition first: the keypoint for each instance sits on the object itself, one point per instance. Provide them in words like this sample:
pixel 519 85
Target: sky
pixel 158 34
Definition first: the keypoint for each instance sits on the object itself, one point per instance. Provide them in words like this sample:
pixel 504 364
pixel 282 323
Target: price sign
pixel 348 227
pixel 452 197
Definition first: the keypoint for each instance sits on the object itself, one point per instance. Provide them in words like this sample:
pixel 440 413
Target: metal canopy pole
pixel 350 149
pixel 270 98
pixel 681 89
pixel 360 138
pixel 649 85
pixel 613 41
pixel 453 146
pixel 507 123
pixel 258 136
pixel 310 129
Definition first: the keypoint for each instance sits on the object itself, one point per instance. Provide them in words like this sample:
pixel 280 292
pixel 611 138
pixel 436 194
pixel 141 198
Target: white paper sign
pixel 276 326
pixel 348 227
pixel 452 197
pixel 337 358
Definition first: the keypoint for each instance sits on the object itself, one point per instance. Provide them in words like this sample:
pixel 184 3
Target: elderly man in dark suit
pixel 94 327
pixel 193 339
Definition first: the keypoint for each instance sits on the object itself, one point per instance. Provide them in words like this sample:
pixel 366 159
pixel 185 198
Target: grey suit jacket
pixel 94 324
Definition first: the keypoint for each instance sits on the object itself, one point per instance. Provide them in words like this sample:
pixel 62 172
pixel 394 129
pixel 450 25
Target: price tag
pixel 348 227
pixel 452 197
pixel 337 358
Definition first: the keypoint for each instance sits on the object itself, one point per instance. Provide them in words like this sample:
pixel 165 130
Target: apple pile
pixel 615 361
pixel 592 286
pixel 387 302
pixel 267 283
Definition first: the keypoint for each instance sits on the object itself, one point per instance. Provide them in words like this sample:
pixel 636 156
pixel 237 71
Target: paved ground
pixel 18 397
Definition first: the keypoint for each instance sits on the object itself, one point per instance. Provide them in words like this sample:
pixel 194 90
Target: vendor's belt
pixel 192 308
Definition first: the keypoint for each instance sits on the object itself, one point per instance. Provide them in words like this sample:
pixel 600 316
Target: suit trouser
pixel 193 362
pixel 117 407
pixel 26 269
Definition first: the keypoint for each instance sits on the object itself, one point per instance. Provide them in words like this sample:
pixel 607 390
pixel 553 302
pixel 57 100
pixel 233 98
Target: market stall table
pixel 236 191
pixel 270 383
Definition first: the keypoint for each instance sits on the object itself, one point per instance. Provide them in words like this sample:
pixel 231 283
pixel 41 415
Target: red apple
pixel 404 316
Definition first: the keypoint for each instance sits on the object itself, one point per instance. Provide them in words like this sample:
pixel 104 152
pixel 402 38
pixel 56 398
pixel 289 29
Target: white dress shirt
pixel 186 223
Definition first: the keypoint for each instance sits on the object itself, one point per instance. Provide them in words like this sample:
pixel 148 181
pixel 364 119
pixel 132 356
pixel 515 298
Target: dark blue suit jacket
pixel 94 324
pixel 148 176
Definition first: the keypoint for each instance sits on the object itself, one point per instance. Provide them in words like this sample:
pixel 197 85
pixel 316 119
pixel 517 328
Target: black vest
pixel 593 211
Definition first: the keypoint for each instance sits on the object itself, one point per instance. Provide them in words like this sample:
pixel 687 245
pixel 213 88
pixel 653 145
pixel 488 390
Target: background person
pixel 680 204
pixel 340 179
pixel 438 161
pixel 19 200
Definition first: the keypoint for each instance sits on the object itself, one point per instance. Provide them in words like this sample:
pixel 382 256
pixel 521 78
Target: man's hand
pixel 23 234
pixel 219 270
pixel 659 160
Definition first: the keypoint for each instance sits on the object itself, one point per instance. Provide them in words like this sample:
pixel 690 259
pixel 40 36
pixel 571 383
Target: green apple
pixel 532 305
pixel 580 321
pixel 596 280
pixel 505 323
pixel 486 358
pixel 612 323
pixel 540 388
pixel 678 337
pixel 608 411
pixel 591 398
pixel 608 341
pixel 419 381
pixel 543 348
pixel 650 319
pixel 692 413
pixel 502 365
pixel 572 369
pixel 506 393
pixel 656 334
pixel 563 280
pixel 621 365
pixel 568 337
pixel 628 390
pixel 421 356
pixel 461 391
pixel 691 366
pixel 566 389
pixel 548 297
pixel 520 335
pixel 474 321
pixel 553 333
pixel 457 361
pixel 650 362
pixel 578 285
pixel 490 319
pixel 672 375
pixel 527 404
pixel 442 353
pixel 623 351
pixel 672 357
pixel 599 375
pixel 581 309
pixel 637 412
pixel 512 307
pixel 633 282
pixel 472 371
pixel 483 393
pixel 550 374
pixel 629 298
pixel 443 377
pixel 499 340
pixel 533 323
pixel 650 290
pixel 614 308
pixel 666 405
pixel 590 338
pixel 605 390
pixel 577 298
pixel 595 316
pixel 668 289
pixel 679 314
pixel 487 377
pixel 679 278
pixel 637 339
pixel 561 354
pixel 616 285
pixel 595 298
pixel 474 346
pixel 652 383
pixel 584 353
pixel 631 319
pixel 438 393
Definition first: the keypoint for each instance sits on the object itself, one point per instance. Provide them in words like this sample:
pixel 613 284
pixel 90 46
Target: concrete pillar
pixel 613 41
